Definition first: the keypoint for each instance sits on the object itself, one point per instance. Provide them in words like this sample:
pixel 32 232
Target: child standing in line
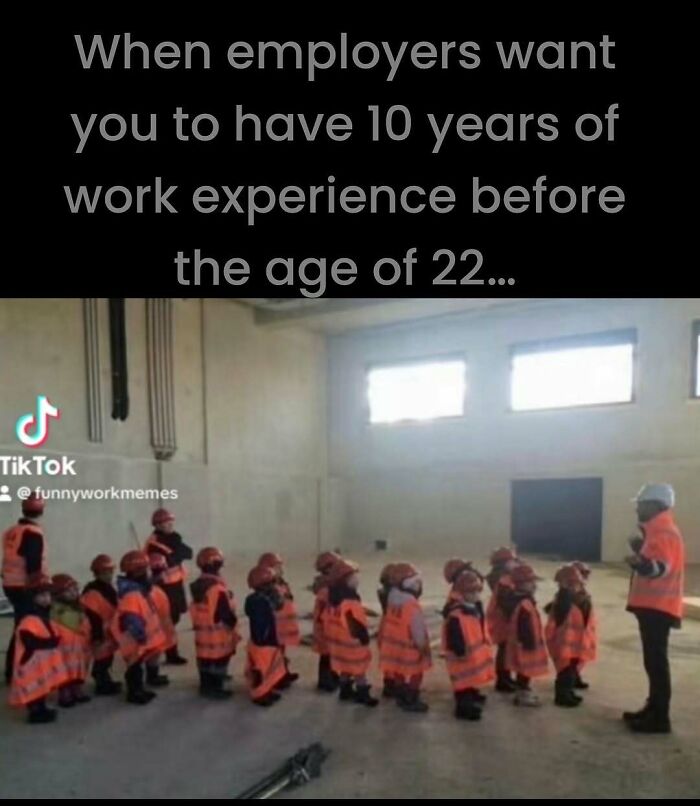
pixel 99 600
pixel 288 632
pixel 327 679
pixel 503 561
pixel 585 602
pixel 526 654
pixel 159 597
pixel 73 628
pixel 466 644
pixel 405 643
pixel 385 585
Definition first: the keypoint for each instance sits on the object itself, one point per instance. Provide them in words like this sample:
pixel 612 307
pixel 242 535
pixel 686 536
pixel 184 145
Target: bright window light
pixel 422 391
pixel 580 376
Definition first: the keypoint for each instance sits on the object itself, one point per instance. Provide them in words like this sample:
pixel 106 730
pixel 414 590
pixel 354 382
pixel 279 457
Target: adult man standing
pixel 23 561
pixel 656 599
pixel 165 540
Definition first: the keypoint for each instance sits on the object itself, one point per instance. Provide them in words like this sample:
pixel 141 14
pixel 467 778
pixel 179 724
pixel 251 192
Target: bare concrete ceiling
pixel 340 315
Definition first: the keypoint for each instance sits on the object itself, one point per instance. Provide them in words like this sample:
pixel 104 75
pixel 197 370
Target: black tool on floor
pixel 304 765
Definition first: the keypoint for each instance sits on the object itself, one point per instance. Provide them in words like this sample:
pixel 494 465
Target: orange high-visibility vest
pixel 213 640
pixel 136 603
pixel 94 601
pixel 265 668
pixel 475 668
pixel 527 662
pixel 170 576
pixel 319 639
pixel 398 654
pixel 572 640
pixel 74 647
pixel 495 617
pixel 286 619
pixel 14 566
pixel 43 673
pixel 348 655
pixel 663 542
pixel 162 605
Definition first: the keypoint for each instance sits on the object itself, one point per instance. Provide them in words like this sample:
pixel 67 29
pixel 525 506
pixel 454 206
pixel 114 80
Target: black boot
pixel 267 700
pixel 174 658
pixel 105 686
pixel 478 697
pixel 39 714
pixel 389 690
pixel 347 691
pixel 465 707
pixel 650 722
pixel 327 680
pixel 630 716
pixel 564 695
pixel 212 687
pixel 363 697
pixel 154 678
pixel 135 692
pixel 579 683
pixel 505 683
pixel 408 699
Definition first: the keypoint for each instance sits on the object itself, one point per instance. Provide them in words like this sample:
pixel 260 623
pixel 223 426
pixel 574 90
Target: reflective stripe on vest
pixel 170 576
pixel 398 653
pixel 14 566
pixel 134 602
pixel 213 640
pixel 664 593
pixel 573 640
pixel 527 662
pixel 475 668
pixel 286 619
pixel 348 655
pixel 265 667
pixel 94 601
pixel 75 649
pixel 43 673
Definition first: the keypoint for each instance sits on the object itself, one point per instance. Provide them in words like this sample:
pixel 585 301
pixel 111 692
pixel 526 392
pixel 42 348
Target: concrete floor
pixel 181 746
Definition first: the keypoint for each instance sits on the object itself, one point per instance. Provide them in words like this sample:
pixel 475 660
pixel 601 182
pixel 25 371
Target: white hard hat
pixel 663 493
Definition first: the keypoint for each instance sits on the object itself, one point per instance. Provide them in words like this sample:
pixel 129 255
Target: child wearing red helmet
pixel 288 632
pixel 213 613
pixel 385 585
pixel 160 601
pixel 99 601
pixel 73 628
pixel 466 644
pixel 327 679
pixel 526 654
pixel 503 561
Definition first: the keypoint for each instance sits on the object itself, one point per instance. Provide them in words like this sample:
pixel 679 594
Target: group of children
pixel 69 634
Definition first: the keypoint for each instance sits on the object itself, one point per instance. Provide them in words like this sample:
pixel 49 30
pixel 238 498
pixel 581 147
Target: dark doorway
pixel 558 517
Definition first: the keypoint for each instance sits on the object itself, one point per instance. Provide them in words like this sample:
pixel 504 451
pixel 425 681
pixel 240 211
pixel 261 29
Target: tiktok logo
pixel 33 429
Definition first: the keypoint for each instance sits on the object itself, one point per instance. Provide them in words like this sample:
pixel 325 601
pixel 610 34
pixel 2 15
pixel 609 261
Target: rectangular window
pixel 416 391
pixel 695 352
pixel 577 371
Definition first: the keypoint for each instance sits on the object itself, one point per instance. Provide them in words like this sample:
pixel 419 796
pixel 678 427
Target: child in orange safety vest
pixel 347 634
pixel 466 644
pixel 525 654
pixel 385 585
pixel 38 667
pixel 503 561
pixel 404 649
pixel 585 602
pixel 266 670
pixel 137 626
pixel 327 678
pixel 99 601
pixel 159 598
pixel 288 632
pixel 569 633
pixel 213 613
pixel 73 628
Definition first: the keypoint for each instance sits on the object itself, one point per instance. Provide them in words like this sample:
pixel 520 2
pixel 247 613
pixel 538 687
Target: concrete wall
pixel 250 407
pixel 445 486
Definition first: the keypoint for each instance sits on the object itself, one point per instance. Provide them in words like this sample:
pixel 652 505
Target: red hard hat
pixel 40 583
pixel 209 556
pixel 161 516
pixel 134 562
pixel 157 561
pixel 403 571
pixel 386 576
pixel 33 505
pixel 523 573
pixel 342 569
pixel 502 555
pixel 60 583
pixel 583 569
pixel 468 581
pixel 269 560
pixel 568 576
pixel 325 560
pixel 453 567
pixel 101 563
pixel 260 576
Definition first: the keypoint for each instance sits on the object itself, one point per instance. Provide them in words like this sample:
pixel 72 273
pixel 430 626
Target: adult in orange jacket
pixel 656 599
